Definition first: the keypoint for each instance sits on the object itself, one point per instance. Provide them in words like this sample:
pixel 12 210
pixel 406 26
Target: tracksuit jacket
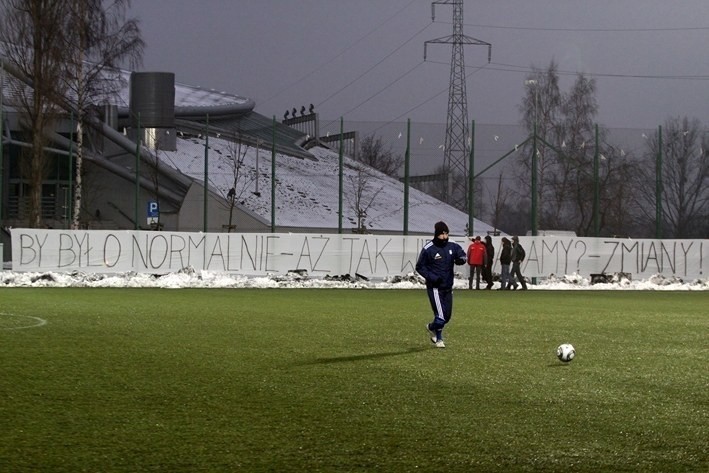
pixel 436 261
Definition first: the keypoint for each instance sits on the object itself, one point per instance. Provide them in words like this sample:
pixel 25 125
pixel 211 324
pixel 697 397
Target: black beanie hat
pixel 439 228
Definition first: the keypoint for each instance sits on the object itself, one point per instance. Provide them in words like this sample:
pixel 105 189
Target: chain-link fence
pixel 602 182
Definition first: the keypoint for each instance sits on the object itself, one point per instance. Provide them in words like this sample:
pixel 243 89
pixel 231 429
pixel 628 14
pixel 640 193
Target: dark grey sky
pixel 363 59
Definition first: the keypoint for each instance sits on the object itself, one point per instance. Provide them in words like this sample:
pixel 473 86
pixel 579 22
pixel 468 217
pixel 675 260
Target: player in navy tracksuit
pixel 435 264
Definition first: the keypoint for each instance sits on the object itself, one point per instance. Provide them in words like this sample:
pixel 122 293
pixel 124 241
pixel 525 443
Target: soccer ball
pixel 565 352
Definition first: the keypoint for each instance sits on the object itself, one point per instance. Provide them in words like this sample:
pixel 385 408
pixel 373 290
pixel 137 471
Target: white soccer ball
pixel 565 352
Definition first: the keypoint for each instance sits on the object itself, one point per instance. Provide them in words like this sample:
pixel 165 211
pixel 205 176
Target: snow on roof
pixel 307 190
pixel 187 96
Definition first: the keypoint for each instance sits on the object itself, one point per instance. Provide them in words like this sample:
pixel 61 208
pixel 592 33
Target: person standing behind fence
pixel 435 264
pixel 505 260
pixel 489 261
pixel 476 259
pixel 518 255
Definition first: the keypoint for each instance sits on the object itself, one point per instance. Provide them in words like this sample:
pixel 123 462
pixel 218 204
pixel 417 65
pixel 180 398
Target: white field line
pixel 38 322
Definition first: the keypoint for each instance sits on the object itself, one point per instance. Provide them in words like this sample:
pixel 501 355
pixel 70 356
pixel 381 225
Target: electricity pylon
pixel 458 140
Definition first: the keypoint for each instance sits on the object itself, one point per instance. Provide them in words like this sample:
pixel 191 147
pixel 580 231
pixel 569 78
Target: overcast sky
pixel 363 59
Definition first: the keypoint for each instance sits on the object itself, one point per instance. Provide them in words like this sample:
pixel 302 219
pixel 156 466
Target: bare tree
pixel 363 197
pixel 684 178
pixel 97 39
pixel 541 110
pixel 617 191
pixel 31 32
pixel 242 178
pixel 498 201
pixel 566 153
pixel 373 153
pixel 570 180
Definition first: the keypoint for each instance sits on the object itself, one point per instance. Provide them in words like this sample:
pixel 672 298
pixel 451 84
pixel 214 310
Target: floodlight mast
pixel 457 142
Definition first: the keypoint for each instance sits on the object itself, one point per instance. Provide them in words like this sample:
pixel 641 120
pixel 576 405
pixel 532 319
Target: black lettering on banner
pixel 229 253
pixel 533 256
pixel 615 245
pixel 578 260
pixel 195 244
pixel 351 252
pixel 163 251
pixel 326 241
pixel 684 256
pixel 81 243
pixel 166 251
pixel 116 252
pixel 362 257
pixel 216 251
pixel 379 253
pixel 552 250
pixel 85 248
pixel 259 252
pixel 671 258
pixel 177 245
pixel 408 262
pixel 701 258
pixel 246 252
pixel 650 255
pixel 267 251
pixel 628 249
pixel 137 249
pixel 305 252
pixel 66 246
pixel 566 254
pixel 27 249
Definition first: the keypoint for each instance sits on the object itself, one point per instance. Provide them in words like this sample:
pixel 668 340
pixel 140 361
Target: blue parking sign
pixel 153 210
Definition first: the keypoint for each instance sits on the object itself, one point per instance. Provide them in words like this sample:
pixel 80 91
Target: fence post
pixel 137 173
pixel 534 181
pixel 658 186
pixel 596 189
pixel 407 157
pixel 340 178
pixel 70 192
pixel 206 175
pixel 471 182
pixel 273 177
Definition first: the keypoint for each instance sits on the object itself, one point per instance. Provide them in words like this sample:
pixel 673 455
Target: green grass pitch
pixel 290 380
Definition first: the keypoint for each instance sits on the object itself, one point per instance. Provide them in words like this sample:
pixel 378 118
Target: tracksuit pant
pixel 442 305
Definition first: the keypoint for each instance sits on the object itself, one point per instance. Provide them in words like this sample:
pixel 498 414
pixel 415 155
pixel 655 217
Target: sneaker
pixel 433 335
pixel 440 344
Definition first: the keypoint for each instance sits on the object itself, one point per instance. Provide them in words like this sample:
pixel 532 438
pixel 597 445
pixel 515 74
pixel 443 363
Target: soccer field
pixel 289 380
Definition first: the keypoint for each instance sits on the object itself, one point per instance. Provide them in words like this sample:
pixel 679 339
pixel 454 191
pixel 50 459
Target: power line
pixel 380 91
pixel 591 30
pixel 422 103
pixel 526 70
pixel 375 65
pixel 338 55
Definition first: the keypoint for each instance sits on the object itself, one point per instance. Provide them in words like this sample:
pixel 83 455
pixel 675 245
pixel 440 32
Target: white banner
pixel 372 256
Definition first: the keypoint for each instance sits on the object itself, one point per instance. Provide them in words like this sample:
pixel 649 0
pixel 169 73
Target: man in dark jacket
pixel 518 255
pixel 505 260
pixel 489 261
pixel 435 263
